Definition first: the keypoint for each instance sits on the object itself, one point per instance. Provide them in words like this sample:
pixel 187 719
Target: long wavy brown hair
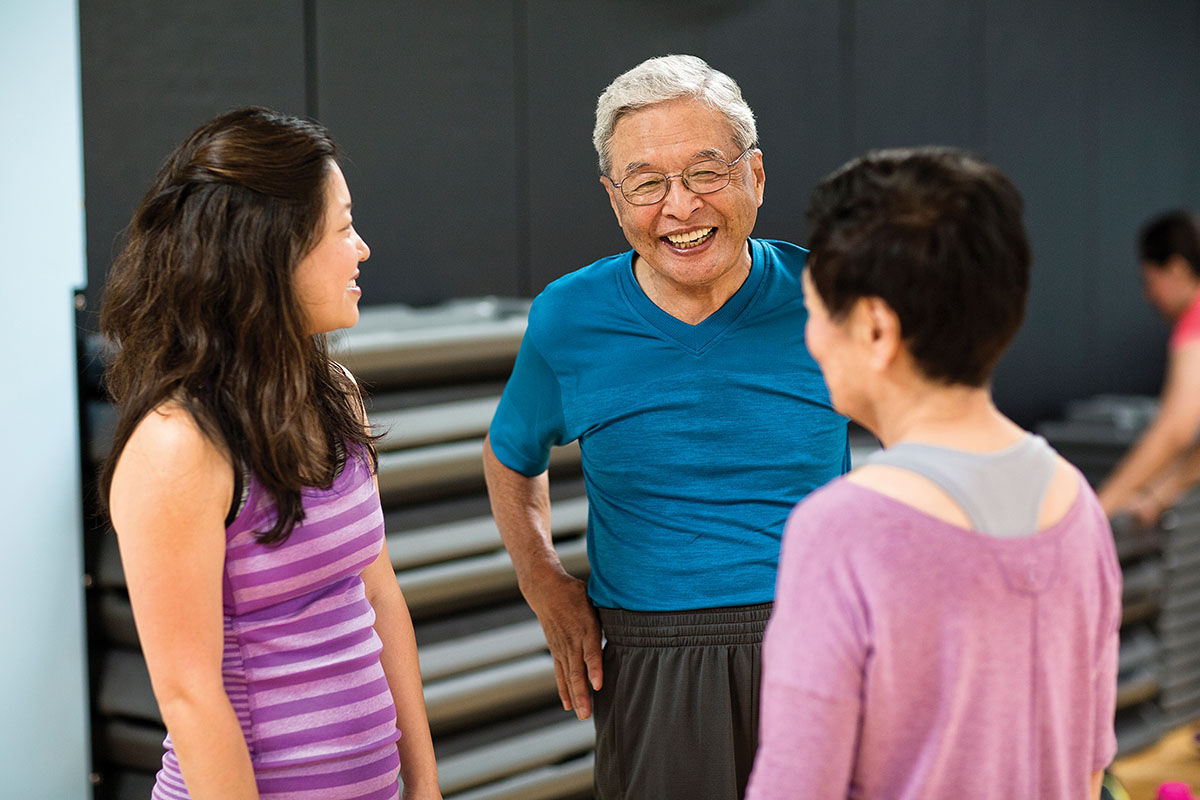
pixel 201 310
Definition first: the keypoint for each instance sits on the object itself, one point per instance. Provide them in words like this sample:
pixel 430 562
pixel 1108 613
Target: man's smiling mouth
pixel 691 238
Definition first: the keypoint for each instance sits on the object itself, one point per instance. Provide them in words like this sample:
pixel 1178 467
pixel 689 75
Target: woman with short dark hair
pixel 241 479
pixel 946 616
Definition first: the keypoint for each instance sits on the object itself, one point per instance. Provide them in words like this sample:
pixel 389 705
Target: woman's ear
pixel 879 329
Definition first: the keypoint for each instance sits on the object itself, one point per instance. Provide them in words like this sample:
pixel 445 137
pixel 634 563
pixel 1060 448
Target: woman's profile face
pixel 326 278
pixel 831 347
pixel 1169 286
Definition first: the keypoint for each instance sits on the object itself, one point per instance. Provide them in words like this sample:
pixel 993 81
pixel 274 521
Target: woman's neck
pixel 1192 293
pixel 957 416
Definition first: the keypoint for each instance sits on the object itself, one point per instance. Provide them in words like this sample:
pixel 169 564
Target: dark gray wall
pixel 468 126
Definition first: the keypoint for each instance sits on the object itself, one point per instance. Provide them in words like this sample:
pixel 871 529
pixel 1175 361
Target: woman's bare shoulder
pixel 171 428
pixel 168 452
pixel 910 489
pixel 926 496
pixel 1060 496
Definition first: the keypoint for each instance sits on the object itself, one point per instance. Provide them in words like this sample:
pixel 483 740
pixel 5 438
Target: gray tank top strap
pixel 1000 492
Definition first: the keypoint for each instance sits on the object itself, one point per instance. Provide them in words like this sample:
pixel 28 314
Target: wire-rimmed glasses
pixel 703 177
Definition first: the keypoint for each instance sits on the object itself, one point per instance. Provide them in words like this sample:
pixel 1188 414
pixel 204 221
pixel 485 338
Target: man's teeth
pixel 691 238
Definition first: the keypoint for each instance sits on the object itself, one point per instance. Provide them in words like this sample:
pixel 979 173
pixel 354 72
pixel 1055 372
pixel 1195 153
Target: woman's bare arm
pixel 171 490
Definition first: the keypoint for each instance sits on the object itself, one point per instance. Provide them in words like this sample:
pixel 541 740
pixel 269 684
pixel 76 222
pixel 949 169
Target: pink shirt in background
pixel 1187 327
pixel 909 658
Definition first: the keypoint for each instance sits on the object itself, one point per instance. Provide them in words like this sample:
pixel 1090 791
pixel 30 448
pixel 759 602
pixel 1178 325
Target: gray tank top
pixel 1000 492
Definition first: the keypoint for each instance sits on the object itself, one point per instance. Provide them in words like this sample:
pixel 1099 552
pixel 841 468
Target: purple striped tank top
pixel 301 662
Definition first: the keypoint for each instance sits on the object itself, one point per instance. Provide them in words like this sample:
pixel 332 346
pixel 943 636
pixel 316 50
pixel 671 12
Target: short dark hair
pixel 937 234
pixel 1174 233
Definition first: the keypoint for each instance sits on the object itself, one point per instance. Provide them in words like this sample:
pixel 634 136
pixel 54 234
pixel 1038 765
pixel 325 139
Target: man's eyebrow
pixel 699 155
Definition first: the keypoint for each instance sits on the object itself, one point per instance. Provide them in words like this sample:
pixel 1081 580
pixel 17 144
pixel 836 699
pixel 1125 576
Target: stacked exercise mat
pixel 1159 682
pixel 433 378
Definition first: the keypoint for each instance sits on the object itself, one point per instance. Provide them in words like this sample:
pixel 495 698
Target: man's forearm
pixel 521 508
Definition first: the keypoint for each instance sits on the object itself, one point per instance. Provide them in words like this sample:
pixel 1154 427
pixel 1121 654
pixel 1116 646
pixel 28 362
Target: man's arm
pixel 521 506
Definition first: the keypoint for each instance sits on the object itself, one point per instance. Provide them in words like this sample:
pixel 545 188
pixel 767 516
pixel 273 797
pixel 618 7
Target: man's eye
pixel 645 184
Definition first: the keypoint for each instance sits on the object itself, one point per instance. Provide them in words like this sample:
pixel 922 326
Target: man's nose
pixel 680 201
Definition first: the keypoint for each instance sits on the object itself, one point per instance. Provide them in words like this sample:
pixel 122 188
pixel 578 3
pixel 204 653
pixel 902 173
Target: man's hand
pixel 521 506
pixel 573 634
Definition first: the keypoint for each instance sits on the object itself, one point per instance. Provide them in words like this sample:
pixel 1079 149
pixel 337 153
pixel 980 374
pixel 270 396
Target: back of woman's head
pixel 201 309
pixel 937 234
pixel 1175 233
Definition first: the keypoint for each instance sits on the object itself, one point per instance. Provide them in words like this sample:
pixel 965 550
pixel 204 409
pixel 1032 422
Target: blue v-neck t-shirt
pixel 696 440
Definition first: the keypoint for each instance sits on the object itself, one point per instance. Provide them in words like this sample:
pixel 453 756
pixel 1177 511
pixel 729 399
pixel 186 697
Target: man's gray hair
pixel 664 78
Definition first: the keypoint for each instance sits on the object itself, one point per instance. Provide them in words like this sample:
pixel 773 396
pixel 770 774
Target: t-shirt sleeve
pixel 1187 327
pixel 814 654
pixel 529 419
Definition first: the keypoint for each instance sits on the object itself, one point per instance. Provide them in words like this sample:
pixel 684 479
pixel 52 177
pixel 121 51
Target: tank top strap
pixel 241 491
pixel 1001 492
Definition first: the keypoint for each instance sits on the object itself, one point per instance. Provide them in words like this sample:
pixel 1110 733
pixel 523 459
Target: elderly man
pixel 680 367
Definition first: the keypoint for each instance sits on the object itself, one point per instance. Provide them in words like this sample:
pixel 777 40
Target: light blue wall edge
pixel 44 747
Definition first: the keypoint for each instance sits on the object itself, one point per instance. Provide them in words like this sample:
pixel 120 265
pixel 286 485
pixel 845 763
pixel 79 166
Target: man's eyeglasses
pixel 703 177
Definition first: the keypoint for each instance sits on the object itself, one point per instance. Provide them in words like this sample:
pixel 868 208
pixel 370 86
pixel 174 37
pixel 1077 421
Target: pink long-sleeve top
pixel 910 658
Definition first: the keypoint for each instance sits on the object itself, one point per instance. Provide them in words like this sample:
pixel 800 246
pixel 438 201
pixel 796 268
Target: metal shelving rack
pixel 1158 686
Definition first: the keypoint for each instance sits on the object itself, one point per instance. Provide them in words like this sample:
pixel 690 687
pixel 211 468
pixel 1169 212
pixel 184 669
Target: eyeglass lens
pixel 703 177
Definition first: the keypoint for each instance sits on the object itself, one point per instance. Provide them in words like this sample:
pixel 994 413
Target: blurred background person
pixel 1165 462
pixel 946 616
pixel 241 481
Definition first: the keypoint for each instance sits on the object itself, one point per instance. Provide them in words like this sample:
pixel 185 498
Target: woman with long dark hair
pixel 241 479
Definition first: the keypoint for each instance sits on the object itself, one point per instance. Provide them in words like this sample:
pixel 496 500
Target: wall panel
pixel 154 71
pixel 917 73
pixel 1040 125
pixel 1146 110
pixel 421 97
pixel 44 732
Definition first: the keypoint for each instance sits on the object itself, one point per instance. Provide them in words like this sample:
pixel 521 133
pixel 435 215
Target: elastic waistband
pixel 702 627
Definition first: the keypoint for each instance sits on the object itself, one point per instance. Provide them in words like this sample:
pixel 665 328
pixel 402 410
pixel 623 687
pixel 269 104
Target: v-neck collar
pixel 692 337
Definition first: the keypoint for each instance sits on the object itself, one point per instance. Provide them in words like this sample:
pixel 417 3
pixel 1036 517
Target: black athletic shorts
pixel 677 715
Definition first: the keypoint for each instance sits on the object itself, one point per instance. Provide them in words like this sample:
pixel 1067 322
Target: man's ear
pixel 760 177
pixel 612 198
